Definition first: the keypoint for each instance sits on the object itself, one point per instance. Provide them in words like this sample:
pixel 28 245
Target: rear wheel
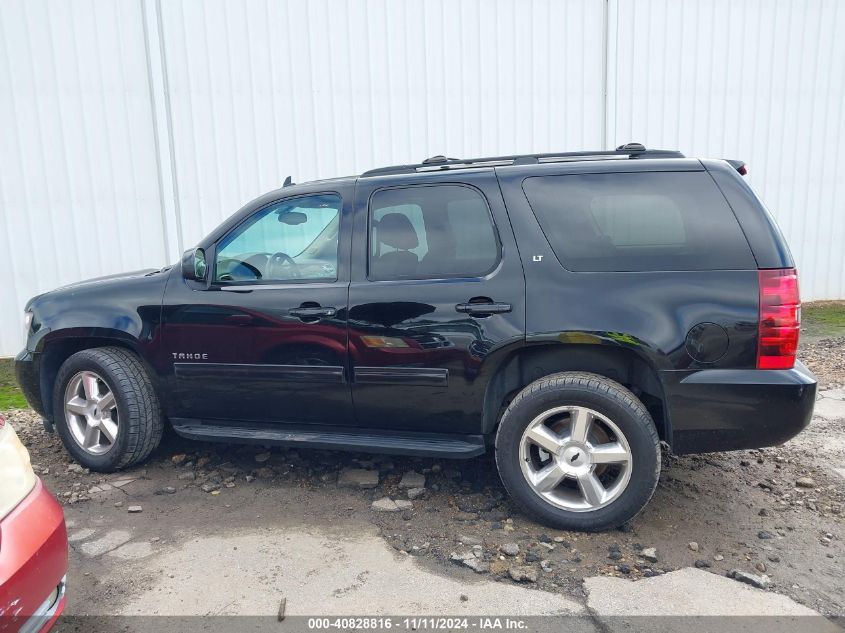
pixel 106 410
pixel 578 451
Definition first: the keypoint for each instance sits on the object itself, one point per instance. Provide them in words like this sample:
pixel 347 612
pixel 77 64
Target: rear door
pixel 437 295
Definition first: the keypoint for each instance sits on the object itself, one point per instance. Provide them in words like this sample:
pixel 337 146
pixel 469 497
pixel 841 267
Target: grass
pixel 823 319
pixel 820 319
pixel 10 395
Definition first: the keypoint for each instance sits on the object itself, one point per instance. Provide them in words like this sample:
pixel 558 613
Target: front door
pixel 437 293
pixel 265 339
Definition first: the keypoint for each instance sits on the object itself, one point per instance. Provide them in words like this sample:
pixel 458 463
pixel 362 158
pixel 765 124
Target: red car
pixel 33 543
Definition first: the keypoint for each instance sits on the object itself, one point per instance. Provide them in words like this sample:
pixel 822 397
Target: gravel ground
pixel 776 511
pixel 826 358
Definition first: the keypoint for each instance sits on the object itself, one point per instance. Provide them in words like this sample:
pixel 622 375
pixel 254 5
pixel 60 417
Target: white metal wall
pixel 263 89
pixel 130 129
pixel 79 195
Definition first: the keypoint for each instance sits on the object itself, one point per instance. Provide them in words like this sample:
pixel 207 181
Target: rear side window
pixel 430 232
pixel 638 222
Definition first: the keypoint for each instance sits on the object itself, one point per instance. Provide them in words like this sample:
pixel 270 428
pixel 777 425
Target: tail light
pixel 780 319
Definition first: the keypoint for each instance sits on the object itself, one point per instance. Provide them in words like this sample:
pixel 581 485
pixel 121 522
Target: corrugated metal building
pixel 130 129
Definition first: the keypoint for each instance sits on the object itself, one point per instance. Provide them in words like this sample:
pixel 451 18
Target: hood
pixel 118 279
pixel 147 272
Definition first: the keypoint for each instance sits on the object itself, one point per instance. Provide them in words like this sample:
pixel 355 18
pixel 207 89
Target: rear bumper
pixel 26 370
pixel 731 409
pixel 33 564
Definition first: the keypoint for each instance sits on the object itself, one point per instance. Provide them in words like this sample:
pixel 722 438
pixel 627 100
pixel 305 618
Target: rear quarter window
pixel 638 221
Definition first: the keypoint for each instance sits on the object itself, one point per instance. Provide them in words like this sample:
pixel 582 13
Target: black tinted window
pixel 638 221
pixel 431 232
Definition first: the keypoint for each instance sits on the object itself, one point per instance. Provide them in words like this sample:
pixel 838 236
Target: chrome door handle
pixel 312 312
pixel 483 308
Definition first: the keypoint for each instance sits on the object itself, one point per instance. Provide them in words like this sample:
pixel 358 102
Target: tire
pixel 134 417
pixel 546 412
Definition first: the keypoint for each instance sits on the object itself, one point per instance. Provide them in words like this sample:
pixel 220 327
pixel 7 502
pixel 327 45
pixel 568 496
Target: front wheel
pixel 578 451
pixel 106 410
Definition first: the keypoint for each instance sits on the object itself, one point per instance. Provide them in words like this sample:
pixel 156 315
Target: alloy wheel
pixel 91 412
pixel 575 458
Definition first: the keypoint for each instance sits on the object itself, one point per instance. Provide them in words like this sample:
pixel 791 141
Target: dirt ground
pixel 776 511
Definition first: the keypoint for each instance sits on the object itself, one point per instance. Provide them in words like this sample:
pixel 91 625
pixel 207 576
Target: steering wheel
pixel 282 266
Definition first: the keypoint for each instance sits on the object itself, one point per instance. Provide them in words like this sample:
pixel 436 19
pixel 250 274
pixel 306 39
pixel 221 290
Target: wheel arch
pixel 57 349
pixel 624 365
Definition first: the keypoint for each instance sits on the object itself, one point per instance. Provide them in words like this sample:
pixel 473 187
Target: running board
pixel 337 439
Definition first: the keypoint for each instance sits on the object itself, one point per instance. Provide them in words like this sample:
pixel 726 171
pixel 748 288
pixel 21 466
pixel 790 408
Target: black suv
pixel 568 311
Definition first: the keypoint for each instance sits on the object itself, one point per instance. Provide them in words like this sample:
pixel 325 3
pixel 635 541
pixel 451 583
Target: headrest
pixel 396 230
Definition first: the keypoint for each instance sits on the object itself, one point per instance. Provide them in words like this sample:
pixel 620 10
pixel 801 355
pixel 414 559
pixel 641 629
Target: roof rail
pixel 437 163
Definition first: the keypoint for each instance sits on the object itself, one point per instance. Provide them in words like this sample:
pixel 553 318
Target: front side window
pixel 289 241
pixel 430 232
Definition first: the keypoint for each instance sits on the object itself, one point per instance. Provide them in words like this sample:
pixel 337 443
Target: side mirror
pixel 194 265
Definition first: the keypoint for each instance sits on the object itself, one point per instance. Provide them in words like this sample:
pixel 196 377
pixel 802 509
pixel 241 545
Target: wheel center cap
pixel 575 456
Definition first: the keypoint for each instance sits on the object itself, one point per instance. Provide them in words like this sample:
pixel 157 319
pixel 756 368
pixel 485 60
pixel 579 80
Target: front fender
pixel 120 311
pixel 124 309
